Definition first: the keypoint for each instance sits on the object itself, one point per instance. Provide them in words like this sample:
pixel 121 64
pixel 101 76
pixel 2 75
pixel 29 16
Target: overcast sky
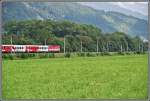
pixel 140 7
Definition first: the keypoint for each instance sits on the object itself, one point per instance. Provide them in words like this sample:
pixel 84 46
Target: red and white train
pixel 30 48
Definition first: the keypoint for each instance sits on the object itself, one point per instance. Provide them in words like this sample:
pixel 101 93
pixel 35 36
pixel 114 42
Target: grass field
pixel 103 77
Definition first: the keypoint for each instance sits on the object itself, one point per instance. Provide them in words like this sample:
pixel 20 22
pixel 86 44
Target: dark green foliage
pixel 129 53
pixel 67 55
pixel 98 54
pixel 53 32
pixel 11 57
pixel 43 55
pixel 51 55
pixel 90 54
pixel 5 56
pixel 137 52
pixel 106 53
pixel 81 54
pixel 121 53
pixel 24 56
pixel 31 55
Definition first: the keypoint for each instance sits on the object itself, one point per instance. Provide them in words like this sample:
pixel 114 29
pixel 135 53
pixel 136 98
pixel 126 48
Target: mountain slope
pixel 107 21
pixel 109 6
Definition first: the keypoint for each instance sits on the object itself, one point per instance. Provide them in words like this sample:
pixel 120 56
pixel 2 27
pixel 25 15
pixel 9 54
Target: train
pixel 30 48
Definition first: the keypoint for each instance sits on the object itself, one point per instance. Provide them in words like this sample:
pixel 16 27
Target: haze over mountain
pixel 108 21
pixel 136 9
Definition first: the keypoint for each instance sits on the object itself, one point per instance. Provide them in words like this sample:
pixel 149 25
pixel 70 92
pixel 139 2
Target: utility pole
pixel 107 46
pixel 97 46
pixel 11 42
pixel 45 42
pixel 103 47
pixel 121 48
pixel 139 47
pixel 142 48
pixel 64 45
pixel 127 47
pixel 81 46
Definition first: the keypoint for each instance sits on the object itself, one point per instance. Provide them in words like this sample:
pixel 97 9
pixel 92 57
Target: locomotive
pixel 30 48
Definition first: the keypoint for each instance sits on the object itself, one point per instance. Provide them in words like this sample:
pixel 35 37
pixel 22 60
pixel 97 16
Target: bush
pixel 43 55
pixel 98 54
pixel 10 56
pixel 67 55
pixel 51 55
pixel 5 56
pixel 81 54
pixel 129 53
pixel 90 55
pixel 31 55
pixel 139 52
pixel 144 52
pixel 106 53
pixel 24 56
pixel 121 53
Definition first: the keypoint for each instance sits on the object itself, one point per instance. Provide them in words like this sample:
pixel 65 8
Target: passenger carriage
pixel 30 48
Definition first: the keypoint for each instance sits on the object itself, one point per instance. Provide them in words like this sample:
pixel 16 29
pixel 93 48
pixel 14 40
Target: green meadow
pixel 101 77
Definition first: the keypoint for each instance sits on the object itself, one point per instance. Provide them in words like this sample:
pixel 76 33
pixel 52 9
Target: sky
pixel 138 7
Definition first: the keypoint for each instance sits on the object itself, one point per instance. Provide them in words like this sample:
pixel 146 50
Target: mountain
pixel 107 21
pixel 109 6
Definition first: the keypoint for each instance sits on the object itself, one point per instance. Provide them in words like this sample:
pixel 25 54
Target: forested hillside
pixel 58 11
pixel 53 32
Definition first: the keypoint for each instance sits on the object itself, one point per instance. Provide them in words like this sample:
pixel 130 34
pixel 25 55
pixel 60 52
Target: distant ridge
pixel 107 21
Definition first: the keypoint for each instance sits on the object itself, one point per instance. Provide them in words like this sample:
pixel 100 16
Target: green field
pixel 103 77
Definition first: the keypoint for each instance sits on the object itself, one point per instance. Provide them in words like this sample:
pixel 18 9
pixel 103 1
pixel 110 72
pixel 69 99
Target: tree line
pixel 76 37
